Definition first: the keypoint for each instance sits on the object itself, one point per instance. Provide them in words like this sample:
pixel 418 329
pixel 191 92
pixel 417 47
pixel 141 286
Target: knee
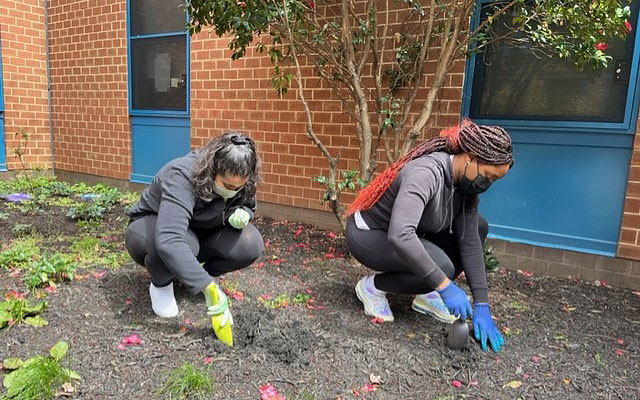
pixel 448 268
pixel 483 227
pixel 250 246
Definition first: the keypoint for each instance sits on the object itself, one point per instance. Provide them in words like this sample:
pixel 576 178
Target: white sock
pixel 371 287
pixel 163 302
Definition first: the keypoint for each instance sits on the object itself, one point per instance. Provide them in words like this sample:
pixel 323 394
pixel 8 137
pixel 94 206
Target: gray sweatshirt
pixel 422 200
pixel 172 198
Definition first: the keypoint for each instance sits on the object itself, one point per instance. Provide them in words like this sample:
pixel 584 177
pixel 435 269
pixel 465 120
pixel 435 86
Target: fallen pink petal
pixel 375 320
pixel 99 274
pixel 207 360
pixel 268 392
pixel 368 387
pixel 331 235
pixel 619 352
pixel 620 341
pixel 456 384
pixel 131 340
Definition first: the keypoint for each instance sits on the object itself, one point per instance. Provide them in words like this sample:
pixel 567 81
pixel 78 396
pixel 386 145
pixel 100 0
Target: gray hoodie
pixel 171 196
pixel 422 200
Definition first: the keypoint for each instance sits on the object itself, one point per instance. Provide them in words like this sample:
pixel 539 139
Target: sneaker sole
pixel 426 311
pixel 367 311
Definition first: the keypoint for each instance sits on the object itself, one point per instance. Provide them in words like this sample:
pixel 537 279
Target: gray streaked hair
pixel 232 153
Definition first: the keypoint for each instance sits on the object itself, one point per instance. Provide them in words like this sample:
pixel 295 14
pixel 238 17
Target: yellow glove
pixel 239 219
pixel 218 309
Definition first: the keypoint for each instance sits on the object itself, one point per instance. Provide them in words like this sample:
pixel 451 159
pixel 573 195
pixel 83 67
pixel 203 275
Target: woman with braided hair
pixel 197 210
pixel 417 225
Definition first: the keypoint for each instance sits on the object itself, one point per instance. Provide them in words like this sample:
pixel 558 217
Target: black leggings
pixel 372 248
pixel 221 251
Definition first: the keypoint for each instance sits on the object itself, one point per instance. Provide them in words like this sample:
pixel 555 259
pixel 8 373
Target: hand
pixel 218 309
pixel 483 327
pixel 239 219
pixel 456 301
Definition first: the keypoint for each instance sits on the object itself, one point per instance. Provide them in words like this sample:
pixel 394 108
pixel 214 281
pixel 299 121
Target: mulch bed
pixel 300 327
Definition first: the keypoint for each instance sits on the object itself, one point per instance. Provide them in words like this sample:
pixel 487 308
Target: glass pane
pixel 514 83
pixel 159 76
pixel 157 16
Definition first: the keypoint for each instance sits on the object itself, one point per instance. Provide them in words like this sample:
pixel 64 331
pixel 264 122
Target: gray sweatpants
pixel 224 250
pixel 372 248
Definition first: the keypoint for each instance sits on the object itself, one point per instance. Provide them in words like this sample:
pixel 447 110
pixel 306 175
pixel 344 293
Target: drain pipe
pixel 48 60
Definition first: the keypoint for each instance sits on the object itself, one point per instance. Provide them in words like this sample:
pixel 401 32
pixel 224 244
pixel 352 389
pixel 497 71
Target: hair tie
pixel 238 140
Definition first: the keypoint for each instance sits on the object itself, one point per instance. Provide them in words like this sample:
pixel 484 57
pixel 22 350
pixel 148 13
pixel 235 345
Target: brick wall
pixel 629 241
pixel 24 79
pixel 238 95
pixel 89 86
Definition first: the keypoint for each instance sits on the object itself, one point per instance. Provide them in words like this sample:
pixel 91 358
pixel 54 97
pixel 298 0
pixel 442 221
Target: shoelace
pixel 380 304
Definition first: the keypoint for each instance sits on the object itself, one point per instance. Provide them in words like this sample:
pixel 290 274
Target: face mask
pixel 224 192
pixel 476 186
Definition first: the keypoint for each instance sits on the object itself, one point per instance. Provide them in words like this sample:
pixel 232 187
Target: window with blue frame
pixel 158 50
pixel 517 83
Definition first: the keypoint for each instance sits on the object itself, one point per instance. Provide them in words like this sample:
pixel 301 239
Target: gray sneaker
pixel 374 305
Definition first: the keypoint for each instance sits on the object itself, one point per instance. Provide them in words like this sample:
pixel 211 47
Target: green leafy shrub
pixel 20 253
pixel 87 211
pixel 22 230
pixel 491 263
pixel 187 381
pixel 38 378
pixel 16 310
pixel 47 271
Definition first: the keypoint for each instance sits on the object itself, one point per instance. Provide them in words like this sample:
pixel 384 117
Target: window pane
pixel 514 83
pixel 157 16
pixel 159 77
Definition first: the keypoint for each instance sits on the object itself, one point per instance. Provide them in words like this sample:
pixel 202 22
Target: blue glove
pixel 483 327
pixel 456 301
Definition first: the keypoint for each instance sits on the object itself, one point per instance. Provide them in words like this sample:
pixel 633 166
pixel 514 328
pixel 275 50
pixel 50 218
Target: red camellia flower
pixel 601 46
pixel 311 4
pixel 627 26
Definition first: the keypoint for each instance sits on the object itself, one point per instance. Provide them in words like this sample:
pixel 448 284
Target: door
pixel 158 62
pixel 573 138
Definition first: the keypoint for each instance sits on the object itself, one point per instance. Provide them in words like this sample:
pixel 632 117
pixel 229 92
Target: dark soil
pixel 565 339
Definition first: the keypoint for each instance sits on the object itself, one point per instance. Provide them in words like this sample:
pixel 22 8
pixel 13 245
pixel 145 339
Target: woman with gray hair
pixel 197 210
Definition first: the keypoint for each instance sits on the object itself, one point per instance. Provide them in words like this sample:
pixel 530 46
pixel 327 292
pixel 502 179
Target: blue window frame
pixel 158 58
pixel 475 75
pixel 567 187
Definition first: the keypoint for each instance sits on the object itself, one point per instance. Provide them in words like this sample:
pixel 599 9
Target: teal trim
pixel 154 142
pixel 567 187
pixel 3 162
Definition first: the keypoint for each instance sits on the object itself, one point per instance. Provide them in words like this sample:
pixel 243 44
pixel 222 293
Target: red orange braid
pixel 489 144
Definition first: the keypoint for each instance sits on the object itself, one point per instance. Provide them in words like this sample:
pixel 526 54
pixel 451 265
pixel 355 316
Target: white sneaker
pixel 375 305
pixel 432 304
pixel 163 301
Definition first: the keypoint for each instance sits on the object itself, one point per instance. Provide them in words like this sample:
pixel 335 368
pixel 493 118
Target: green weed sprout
pixel 187 381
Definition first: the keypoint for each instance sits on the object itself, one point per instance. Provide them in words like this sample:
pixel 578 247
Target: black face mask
pixel 478 185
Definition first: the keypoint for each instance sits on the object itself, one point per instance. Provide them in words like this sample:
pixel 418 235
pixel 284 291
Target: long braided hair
pixel 488 144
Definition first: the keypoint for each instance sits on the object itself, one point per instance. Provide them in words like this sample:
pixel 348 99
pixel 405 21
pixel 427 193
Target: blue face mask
pixel 476 186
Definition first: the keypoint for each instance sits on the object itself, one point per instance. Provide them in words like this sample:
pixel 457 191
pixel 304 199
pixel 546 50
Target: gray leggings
pixel 372 248
pixel 221 251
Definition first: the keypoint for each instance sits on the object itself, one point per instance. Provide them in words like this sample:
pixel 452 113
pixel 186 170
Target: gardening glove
pixel 239 219
pixel 483 327
pixel 456 301
pixel 218 309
